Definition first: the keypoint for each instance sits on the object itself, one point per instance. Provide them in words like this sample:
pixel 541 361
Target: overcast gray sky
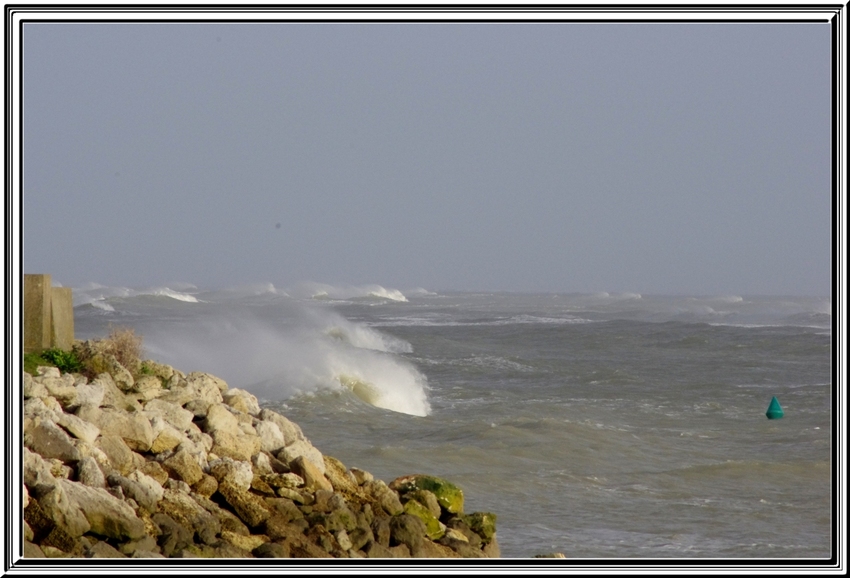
pixel 655 158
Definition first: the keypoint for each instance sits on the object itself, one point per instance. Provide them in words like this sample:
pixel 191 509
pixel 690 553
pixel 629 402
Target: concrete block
pixel 37 313
pixel 62 313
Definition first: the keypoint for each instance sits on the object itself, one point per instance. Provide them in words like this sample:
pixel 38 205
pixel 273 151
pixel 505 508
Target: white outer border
pixel 776 11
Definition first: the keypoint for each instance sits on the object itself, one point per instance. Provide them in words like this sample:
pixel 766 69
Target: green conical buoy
pixel 774 410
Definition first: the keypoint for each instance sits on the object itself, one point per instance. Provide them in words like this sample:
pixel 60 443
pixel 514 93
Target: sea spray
pixel 325 292
pixel 302 352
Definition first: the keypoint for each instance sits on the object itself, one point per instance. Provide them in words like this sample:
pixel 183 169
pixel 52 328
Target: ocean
pixel 601 426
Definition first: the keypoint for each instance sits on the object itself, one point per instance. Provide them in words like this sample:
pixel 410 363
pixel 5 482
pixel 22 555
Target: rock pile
pixel 176 465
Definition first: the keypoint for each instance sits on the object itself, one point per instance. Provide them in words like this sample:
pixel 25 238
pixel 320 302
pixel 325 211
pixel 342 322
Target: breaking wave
pixel 322 291
pixel 318 351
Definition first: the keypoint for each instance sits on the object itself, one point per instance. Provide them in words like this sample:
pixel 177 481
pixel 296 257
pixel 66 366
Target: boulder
pixel 146 544
pixel 434 529
pixel 79 428
pixel 483 524
pixel 120 374
pixel 148 387
pixel 36 408
pixel 196 387
pixel 272 550
pixel 205 382
pixel 219 418
pixel 107 515
pixel 339 477
pixel 430 549
pixel 271 438
pixel 112 395
pixel 449 496
pixel 198 407
pixel 64 510
pixel 206 486
pixel 408 530
pixel 247 506
pixel 48 371
pixel 384 496
pixel 103 550
pixel 236 472
pixel 288 480
pixel 492 550
pixel 121 457
pixel 166 439
pixel 33 551
pixel 160 370
pixel 133 427
pixel 33 388
pixel 183 466
pixel 172 413
pixel 241 400
pixel 302 448
pixel 155 471
pixel 313 477
pixel 291 431
pixel 187 512
pixel 242 541
pixel 361 476
pixel 173 537
pixel 427 499
pixel 226 518
pixel 140 487
pixel 458 524
pixel 89 473
pixel 238 447
pixel 88 394
pixel 48 440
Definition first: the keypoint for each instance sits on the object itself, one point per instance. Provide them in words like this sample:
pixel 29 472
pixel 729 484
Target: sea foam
pixel 322 291
pixel 316 351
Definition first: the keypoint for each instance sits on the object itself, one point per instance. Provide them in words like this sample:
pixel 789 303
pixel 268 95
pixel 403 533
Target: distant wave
pixel 322 291
pixel 616 296
pixel 97 295
pixel 729 299
pixel 166 292
pixel 413 321
pixel 97 304
pixel 249 290
pixel 420 292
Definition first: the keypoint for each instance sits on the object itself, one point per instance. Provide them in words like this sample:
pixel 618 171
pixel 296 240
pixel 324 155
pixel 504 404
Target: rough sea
pixel 600 426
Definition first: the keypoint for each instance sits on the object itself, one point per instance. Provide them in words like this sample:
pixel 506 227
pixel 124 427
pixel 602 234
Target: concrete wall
pixel 62 313
pixel 48 315
pixel 37 312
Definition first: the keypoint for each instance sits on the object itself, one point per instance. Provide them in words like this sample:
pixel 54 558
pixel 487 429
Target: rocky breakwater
pixel 175 465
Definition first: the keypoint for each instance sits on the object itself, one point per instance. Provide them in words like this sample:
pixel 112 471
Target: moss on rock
pixel 449 496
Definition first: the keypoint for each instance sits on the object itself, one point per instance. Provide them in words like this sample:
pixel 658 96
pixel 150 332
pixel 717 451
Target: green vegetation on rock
pixel 483 524
pixel 32 361
pixel 433 528
pixel 66 361
pixel 449 496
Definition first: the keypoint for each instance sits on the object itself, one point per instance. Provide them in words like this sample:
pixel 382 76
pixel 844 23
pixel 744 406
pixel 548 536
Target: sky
pixel 678 158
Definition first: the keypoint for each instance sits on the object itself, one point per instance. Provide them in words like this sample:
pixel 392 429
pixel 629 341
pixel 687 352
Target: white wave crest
pixel 420 292
pixel 365 337
pixel 276 363
pixel 91 292
pixel 730 299
pixel 414 321
pixel 102 305
pixel 322 291
pixel 166 292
